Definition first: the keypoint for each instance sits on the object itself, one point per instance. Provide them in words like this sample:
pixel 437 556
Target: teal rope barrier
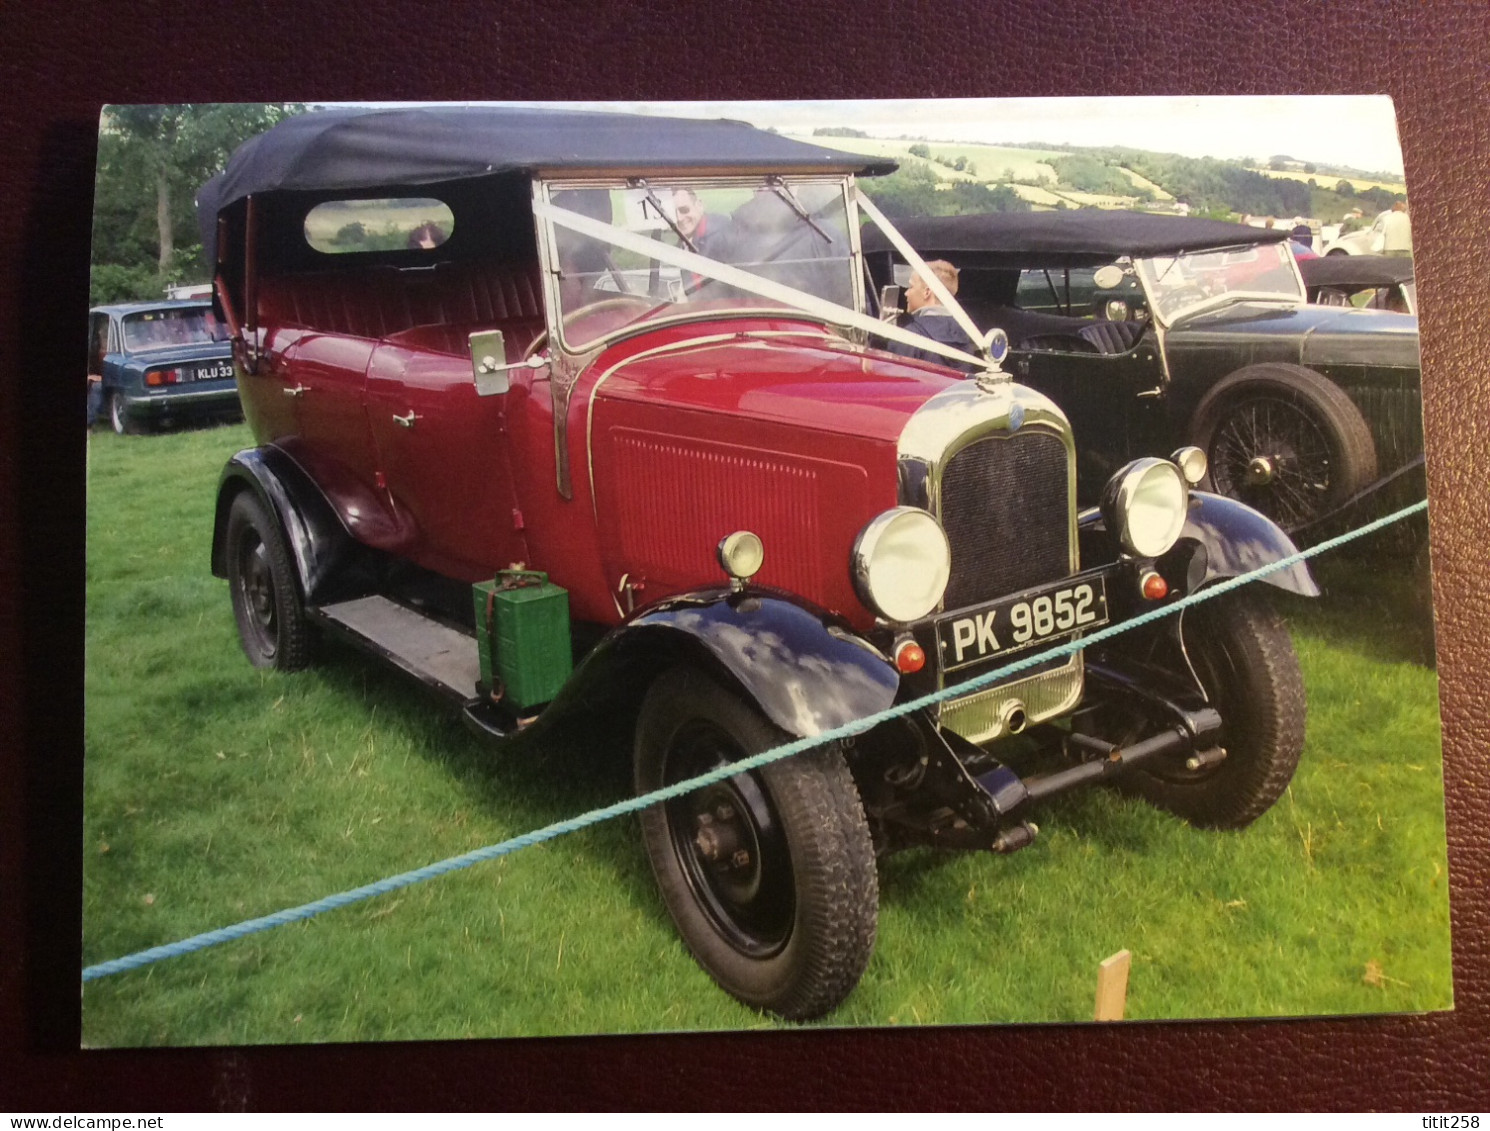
pixel 744 765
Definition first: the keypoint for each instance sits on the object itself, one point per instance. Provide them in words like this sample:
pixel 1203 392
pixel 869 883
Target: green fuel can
pixel 522 636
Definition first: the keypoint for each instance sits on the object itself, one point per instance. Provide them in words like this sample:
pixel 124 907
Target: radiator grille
pixel 1006 511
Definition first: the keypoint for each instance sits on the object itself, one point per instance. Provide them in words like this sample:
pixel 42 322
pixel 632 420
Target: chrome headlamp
pixel 1144 505
pixel 901 564
pixel 741 555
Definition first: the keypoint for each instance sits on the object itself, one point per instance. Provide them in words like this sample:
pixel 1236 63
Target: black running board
pixel 442 658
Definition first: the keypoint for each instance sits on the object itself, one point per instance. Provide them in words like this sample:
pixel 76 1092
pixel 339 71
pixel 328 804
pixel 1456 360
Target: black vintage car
pixel 1156 331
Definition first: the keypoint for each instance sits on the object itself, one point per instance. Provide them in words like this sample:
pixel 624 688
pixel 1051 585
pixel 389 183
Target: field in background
pixel 215 792
pixel 991 161
pixel 993 164
pixel 1330 180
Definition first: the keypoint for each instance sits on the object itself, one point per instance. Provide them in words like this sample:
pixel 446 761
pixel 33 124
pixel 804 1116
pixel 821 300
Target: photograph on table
pixel 612 568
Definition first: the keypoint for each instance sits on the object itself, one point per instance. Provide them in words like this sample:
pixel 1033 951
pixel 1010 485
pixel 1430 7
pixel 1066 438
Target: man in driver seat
pixel 931 319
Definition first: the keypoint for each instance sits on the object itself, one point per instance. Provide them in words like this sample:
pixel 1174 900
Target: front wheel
pixel 769 875
pixel 1245 660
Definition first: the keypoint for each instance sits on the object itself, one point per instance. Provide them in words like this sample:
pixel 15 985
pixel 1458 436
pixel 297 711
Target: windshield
pixel 793 232
pixel 1185 284
pixel 178 326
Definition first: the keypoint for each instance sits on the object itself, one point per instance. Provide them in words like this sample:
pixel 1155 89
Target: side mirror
pixel 488 348
pixel 889 302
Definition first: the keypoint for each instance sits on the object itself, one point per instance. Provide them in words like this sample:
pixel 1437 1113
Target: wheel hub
pixel 1260 471
pixel 257 586
pixel 722 841
pixel 731 847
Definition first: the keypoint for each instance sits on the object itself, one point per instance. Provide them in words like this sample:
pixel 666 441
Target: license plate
pixel 213 372
pixel 1016 623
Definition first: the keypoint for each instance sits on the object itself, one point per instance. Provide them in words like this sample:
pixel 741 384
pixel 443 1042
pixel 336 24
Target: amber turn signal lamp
pixel 1154 587
pixel 910 657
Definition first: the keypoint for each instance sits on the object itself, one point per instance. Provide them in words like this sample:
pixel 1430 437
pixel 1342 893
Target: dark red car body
pixel 633 436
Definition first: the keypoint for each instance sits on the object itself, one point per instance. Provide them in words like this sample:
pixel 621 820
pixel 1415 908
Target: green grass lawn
pixel 215 792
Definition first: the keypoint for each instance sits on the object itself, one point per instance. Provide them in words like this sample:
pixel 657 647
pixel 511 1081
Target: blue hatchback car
pixel 151 364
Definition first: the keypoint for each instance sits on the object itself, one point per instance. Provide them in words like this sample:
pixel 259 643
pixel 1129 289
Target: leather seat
pixel 1112 337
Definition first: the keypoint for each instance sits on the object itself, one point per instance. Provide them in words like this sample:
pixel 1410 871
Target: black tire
pixel 119 418
pixel 789 925
pixel 1284 440
pixel 1244 658
pixel 266 595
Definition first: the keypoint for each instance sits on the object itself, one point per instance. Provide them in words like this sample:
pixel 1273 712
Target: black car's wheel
pixel 1244 658
pixel 770 875
pixel 1284 440
pixel 119 418
pixel 266 599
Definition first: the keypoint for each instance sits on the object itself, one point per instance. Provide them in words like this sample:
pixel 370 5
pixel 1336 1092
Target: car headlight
pixel 1145 504
pixel 901 564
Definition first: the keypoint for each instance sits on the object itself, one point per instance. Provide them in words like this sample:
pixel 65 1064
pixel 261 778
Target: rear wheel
pixel 769 875
pixel 1284 440
pixel 266 598
pixel 1245 660
pixel 119 418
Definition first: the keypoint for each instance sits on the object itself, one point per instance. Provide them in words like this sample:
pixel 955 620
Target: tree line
pixel 151 161
pixel 915 190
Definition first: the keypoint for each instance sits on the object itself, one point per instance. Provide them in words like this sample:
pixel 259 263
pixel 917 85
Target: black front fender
pixel 1238 539
pixel 806 670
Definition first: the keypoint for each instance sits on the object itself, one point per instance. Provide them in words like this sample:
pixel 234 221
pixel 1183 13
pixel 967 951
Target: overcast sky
pixel 1357 131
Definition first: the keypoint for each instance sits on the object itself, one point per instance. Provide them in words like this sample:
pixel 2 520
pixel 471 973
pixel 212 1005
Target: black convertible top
pixel 1074 238
pixel 331 150
pixel 1356 270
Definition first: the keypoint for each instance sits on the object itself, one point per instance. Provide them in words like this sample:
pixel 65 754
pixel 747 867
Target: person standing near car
pixel 931 319
pixel 1302 238
pixel 1396 231
pixel 706 231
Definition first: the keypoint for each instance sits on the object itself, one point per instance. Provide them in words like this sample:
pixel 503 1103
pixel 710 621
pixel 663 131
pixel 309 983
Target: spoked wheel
pixel 1284 440
pixel 768 875
pixel 266 600
pixel 1245 660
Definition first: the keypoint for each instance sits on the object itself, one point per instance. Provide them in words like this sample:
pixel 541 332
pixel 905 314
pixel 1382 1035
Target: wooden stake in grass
pixel 1112 986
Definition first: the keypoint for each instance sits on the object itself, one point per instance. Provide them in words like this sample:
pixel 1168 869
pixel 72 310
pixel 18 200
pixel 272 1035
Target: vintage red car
pixel 639 356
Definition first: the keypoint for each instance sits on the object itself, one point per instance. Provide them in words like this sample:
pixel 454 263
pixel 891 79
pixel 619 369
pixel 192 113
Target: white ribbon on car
pixel 694 263
pixel 918 265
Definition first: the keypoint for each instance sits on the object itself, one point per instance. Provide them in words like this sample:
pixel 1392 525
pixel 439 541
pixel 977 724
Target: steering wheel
pixel 1181 297
pixel 630 303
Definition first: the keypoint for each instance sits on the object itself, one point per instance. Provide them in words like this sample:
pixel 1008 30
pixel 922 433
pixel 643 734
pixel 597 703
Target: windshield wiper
pixel 781 189
pixel 640 182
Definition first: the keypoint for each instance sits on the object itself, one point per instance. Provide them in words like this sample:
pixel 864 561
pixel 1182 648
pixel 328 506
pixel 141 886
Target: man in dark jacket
pixel 931 319
pixel 707 231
